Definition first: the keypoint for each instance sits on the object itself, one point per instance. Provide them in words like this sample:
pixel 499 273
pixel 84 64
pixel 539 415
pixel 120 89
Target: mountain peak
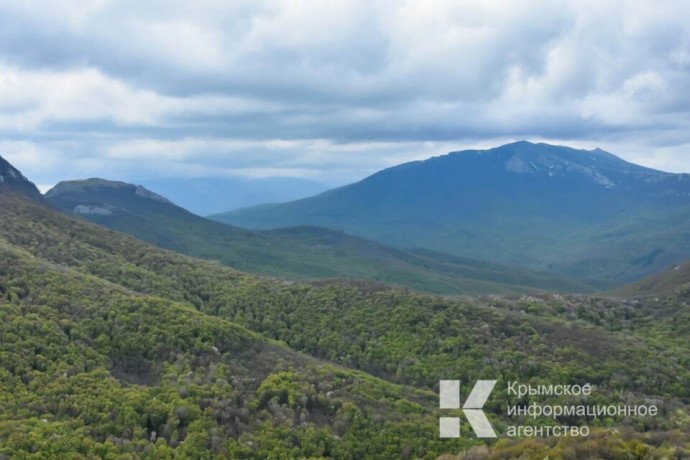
pixel 103 198
pixel 527 147
pixel 525 160
pixel 519 143
pixel 11 179
pixel 95 184
pixel 553 161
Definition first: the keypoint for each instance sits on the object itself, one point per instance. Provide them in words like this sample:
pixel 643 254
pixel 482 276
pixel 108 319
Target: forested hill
pixel 110 349
pixel 294 253
pixel 113 347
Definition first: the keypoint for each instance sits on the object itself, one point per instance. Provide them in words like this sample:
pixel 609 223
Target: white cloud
pixel 43 188
pixel 83 94
pixel 346 86
pixel 29 98
pixel 26 155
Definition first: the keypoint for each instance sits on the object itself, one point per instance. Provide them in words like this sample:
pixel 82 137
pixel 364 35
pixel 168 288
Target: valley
pixel 300 252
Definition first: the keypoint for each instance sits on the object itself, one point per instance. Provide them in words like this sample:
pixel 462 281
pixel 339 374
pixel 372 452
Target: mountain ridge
pixel 294 253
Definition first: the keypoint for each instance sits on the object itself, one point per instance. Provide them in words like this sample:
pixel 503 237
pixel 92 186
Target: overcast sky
pixel 333 90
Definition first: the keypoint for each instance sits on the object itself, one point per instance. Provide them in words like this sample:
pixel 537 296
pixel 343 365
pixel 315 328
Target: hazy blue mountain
pixel 13 180
pixel 210 195
pixel 301 252
pixel 581 213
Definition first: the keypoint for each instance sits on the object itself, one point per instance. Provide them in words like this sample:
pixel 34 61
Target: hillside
pixel 296 253
pixel 100 357
pixel 584 214
pixel 671 281
pixel 113 347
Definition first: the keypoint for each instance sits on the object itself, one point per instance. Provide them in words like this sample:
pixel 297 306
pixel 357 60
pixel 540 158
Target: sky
pixel 333 90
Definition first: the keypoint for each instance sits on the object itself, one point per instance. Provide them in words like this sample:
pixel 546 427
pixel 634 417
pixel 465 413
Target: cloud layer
pixel 333 90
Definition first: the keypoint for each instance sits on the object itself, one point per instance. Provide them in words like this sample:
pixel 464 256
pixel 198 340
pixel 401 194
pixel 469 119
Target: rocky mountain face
pixel 13 180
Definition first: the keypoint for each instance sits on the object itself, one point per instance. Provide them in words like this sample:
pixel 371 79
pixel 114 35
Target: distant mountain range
pixel 204 196
pixel 297 252
pixel 580 213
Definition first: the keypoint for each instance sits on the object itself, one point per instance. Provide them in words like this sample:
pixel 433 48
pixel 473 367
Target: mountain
pixel 581 213
pixel 300 252
pixel 14 181
pixel 211 195
pixel 114 348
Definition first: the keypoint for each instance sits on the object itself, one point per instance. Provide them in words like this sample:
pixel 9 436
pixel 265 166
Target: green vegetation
pixel 601 444
pixel 113 347
pixel 295 253
pixel 91 368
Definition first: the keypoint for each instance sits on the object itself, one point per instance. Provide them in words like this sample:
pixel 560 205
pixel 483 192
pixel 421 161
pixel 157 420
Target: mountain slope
pixel 302 252
pixel 671 281
pixel 369 327
pixel 112 347
pixel 580 213
pixel 11 180
pixel 103 355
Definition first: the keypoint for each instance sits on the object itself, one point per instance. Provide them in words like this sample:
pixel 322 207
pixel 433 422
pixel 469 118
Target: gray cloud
pixel 334 90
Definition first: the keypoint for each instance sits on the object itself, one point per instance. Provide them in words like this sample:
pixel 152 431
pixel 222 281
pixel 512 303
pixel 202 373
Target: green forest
pixel 112 348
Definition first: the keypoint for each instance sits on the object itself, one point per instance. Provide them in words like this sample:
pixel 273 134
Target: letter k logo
pixel 449 397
